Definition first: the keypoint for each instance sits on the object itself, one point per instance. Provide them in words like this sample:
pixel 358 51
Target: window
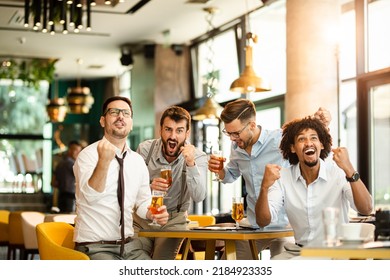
pixel 364 92
pixel 219 55
pixel 25 138
pixel 379 35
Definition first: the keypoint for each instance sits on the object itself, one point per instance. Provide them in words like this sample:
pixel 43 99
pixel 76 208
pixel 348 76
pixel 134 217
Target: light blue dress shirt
pixel 251 168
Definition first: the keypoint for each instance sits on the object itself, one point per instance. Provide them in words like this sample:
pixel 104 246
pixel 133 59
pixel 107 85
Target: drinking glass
pixel 330 218
pixel 238 210
pixel 157 201
pixel 220 158
pixel 166 173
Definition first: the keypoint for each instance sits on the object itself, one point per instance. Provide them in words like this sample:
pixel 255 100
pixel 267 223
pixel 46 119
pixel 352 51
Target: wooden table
pixel 370 250
pixel 212 235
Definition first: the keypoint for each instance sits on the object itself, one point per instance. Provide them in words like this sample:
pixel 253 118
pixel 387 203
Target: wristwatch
pixel 355 177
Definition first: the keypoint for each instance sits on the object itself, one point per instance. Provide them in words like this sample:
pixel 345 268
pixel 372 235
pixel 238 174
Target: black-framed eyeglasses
pixel 235 134
pixel 114 112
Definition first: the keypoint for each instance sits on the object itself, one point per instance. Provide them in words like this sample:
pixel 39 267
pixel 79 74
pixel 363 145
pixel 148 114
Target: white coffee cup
pixel 351 231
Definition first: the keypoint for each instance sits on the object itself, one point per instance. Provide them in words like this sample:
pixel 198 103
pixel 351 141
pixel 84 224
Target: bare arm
pixel 361 196
pixel 263 214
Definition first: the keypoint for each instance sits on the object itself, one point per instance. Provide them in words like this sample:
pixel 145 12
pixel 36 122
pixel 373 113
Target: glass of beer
pixel 238 210
pixel 166 173
pixel 220 158
pixel 157 201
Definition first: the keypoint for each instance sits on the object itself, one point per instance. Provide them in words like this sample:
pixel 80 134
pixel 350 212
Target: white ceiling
pixel 112 27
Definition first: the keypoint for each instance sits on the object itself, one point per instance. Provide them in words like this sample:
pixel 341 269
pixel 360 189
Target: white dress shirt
pixel 98 214
pixel 304 204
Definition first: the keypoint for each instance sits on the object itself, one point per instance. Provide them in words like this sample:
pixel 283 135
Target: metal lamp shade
pixel 79 100
pixel 56 110
pixel 209 110
pixel 248 80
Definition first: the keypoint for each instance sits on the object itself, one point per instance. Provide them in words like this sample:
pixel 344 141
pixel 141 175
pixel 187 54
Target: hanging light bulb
pixel 79 98
pixel 210 109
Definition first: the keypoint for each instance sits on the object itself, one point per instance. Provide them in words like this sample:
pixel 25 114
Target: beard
pixel 245 143
pixel 168 151
pixel 119 134
pixel 311 163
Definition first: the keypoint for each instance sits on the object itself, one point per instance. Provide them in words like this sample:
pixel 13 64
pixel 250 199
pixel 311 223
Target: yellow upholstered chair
pixel 15 235
pixel 4 223
pixel 30 220
pixel 55 242
pixel 203 220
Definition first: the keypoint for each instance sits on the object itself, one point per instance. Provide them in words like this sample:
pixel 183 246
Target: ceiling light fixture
pixel 248 81
pixel 56 108
pixel 54 16
pixel 210 109
pixel 79 98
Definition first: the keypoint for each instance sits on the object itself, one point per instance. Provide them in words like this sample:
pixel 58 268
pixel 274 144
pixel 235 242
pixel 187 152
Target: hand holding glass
pixel 220 158
pixel 238 210
pixel 157 202
pixel 166 173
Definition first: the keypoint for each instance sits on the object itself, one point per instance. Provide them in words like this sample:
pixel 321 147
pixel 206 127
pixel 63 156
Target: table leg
pixel 230 250
pixel 210 250
pixel 187 247
pixel 255 253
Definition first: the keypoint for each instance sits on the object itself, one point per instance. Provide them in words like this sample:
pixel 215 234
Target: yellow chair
pixel 55 242
pixel 15 234
pixel 4 223
pixel 203 220
pixel 30 220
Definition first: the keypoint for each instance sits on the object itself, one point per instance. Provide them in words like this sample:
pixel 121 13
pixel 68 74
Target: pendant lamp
pixel 56 108
pixel 210 109
pixel 79 98
pixel 248 81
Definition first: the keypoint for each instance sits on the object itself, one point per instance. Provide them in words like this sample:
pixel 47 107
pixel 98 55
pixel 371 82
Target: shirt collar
pixel 322 174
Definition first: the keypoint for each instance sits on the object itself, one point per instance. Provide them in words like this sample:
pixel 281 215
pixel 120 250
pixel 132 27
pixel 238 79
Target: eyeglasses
pixel 114 112
pixel 235 134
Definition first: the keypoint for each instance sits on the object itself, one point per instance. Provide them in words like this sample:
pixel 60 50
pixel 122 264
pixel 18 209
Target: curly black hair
pixel 293 128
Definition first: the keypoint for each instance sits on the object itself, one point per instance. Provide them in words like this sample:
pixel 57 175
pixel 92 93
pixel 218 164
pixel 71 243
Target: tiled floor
pixel 4 250
pixel 265 255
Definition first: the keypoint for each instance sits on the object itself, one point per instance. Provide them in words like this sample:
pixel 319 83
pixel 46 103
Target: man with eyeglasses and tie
pixel 112 182
pixel 252 148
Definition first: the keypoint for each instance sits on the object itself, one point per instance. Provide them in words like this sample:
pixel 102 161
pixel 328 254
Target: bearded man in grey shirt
pixel 189 173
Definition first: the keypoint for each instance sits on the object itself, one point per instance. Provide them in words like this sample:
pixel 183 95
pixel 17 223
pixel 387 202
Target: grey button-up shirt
pixel 195 176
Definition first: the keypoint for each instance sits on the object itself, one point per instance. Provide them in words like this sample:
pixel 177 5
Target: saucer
pixel 354 240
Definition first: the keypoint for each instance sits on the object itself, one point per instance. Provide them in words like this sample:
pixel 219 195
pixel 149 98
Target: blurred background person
pixel 63 179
